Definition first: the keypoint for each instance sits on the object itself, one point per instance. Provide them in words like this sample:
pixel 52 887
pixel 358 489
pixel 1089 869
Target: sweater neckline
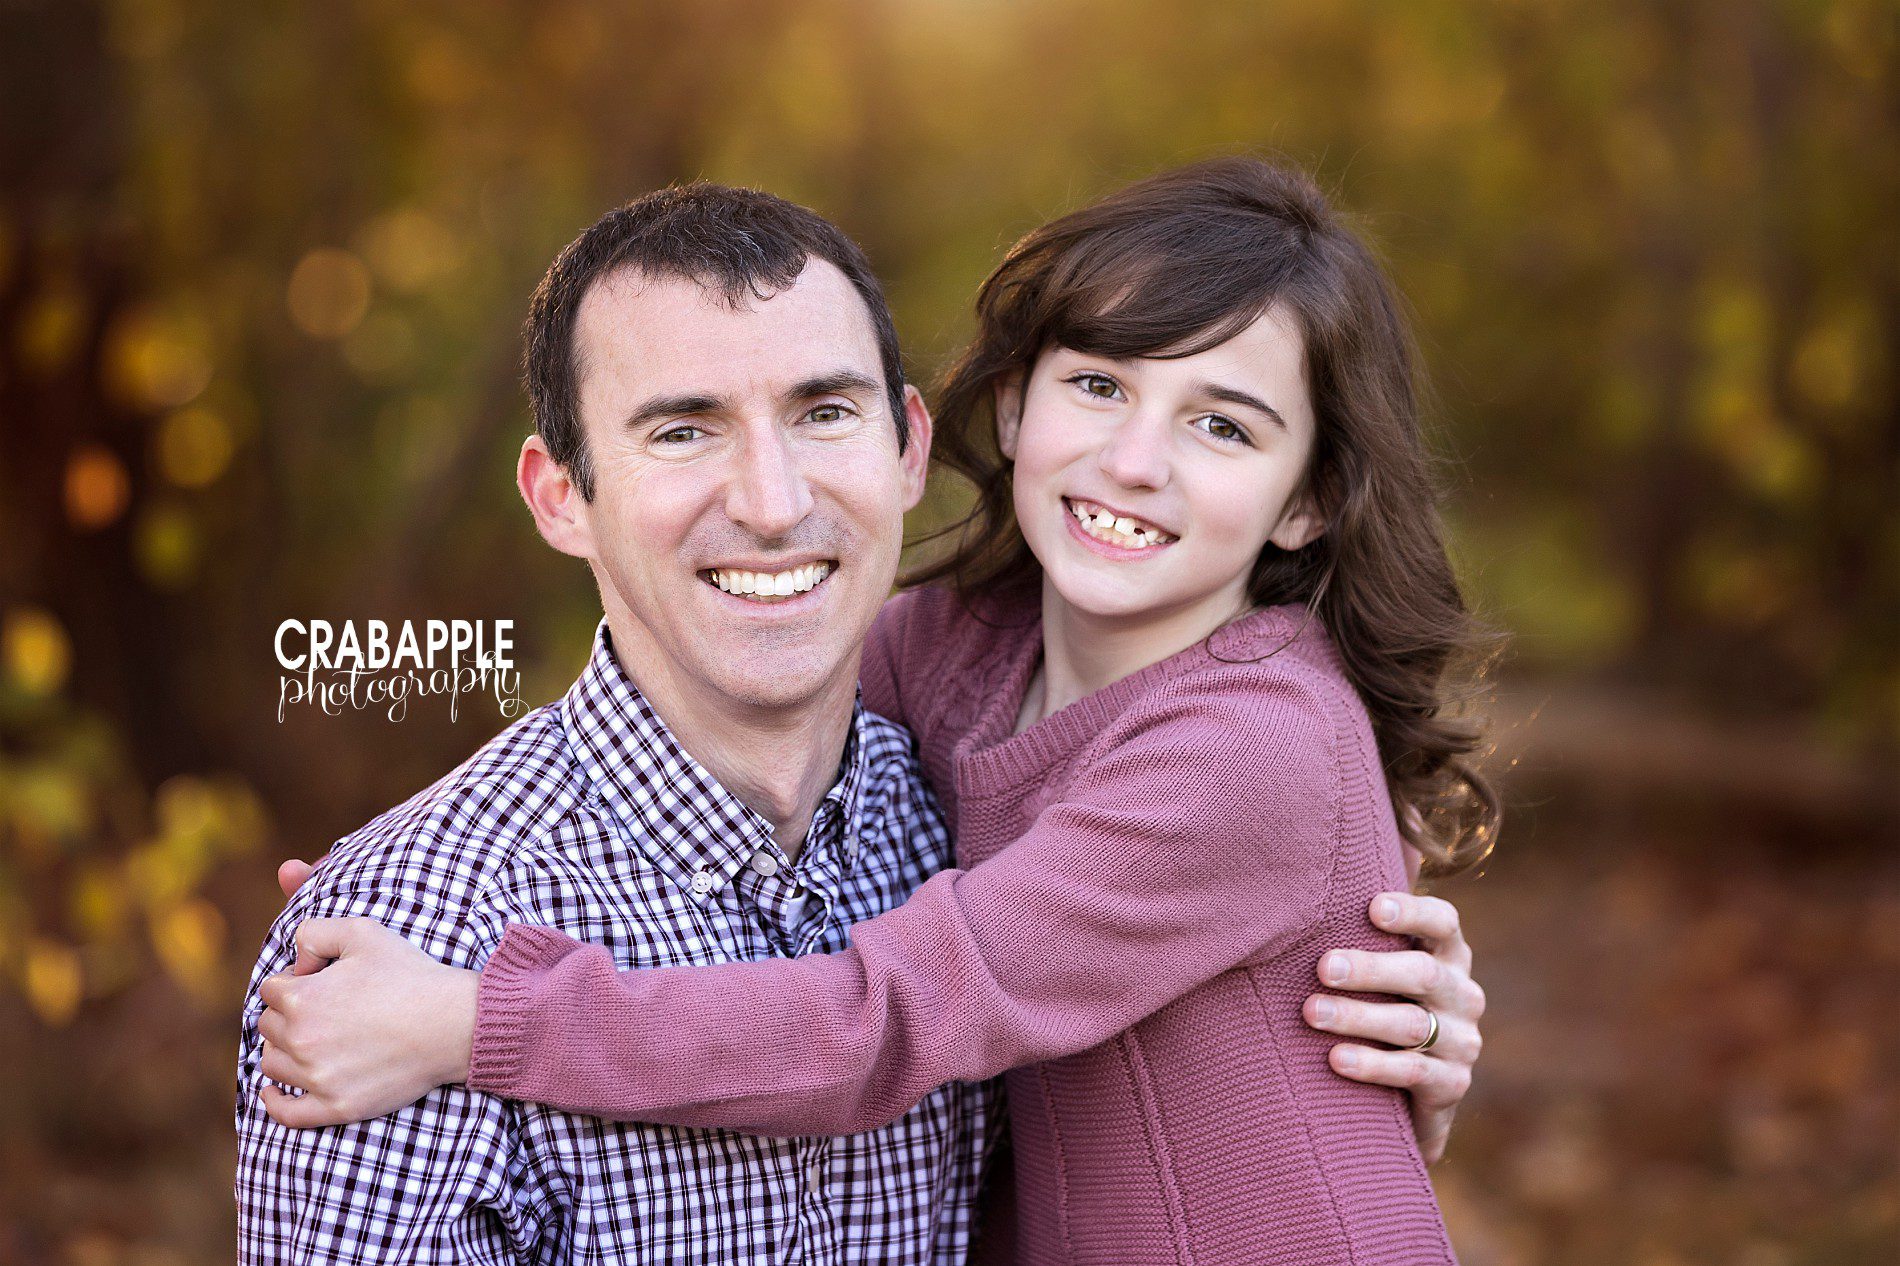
pixel 998 757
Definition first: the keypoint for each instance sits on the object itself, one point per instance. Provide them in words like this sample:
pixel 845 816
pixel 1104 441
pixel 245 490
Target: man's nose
pixel 1135 454
pixel 768 494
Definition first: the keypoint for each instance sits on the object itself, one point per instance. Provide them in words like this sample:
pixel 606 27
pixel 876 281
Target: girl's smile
pixel 1114 534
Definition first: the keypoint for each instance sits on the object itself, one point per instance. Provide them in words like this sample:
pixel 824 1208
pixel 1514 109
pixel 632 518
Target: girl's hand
pixel 365 1023
pixel 1437 976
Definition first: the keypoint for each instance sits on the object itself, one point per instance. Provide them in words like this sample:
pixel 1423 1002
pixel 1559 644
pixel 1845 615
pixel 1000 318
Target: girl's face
pixel 1148 487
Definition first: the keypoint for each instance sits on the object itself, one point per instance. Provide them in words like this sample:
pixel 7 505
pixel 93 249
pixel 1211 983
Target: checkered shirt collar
pixel 671 805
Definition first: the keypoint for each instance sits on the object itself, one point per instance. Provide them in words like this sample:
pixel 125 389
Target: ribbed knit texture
pixel 1146 881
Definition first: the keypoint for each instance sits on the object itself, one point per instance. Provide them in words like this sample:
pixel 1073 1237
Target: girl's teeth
pixel 1116 529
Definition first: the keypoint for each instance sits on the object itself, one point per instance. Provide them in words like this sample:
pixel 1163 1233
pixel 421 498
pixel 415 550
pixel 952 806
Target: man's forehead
pixel 674 333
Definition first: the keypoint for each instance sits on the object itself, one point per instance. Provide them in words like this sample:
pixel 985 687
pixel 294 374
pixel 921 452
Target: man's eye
pixel 1223 428
pixel 827 413
pixel 678 435
pixel 1100 386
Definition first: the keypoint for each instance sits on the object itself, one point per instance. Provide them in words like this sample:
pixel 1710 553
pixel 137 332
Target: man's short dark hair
pixel 741 244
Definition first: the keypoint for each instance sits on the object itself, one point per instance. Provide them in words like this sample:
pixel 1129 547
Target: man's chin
pixel 777 681
pixel 790 696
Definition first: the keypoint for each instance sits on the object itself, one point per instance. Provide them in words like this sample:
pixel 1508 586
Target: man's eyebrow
pixel 660 407
pixel 1233 395
pixel 838 382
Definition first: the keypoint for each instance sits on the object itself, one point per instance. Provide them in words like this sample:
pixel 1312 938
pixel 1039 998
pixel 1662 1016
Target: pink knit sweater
pixel 1146 881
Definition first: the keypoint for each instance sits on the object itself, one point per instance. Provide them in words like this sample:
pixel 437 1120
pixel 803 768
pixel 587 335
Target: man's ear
pixel 560 512
pixel 916 458
pixel 1300 524
pixel 1008 391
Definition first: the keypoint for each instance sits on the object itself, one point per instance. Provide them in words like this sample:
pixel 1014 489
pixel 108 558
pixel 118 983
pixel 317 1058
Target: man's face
pixel 748 492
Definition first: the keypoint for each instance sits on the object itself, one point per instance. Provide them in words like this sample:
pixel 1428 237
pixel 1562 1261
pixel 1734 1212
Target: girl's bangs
pixel 1165 308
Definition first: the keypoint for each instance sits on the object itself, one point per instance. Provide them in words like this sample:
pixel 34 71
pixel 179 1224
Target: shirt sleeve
pixel 1201 838
pixel 445 1180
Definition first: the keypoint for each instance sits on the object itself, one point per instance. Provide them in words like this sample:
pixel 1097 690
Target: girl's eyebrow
pixel 1234 395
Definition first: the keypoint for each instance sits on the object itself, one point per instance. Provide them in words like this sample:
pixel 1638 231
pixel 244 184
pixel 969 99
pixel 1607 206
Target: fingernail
pixel 1324 1010
pixel 1346 1059
pixel 1387 909
pixel 1336 969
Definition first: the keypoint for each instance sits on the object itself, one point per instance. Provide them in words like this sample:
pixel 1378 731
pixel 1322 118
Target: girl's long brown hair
pixel 1172 266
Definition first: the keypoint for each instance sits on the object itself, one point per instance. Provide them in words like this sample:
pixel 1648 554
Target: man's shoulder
pixel 427 866
pixel 515 787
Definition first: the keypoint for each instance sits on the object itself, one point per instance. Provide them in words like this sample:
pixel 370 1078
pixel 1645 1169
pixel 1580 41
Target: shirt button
pixel 814 1175
pixel 702 882
pixel 765 863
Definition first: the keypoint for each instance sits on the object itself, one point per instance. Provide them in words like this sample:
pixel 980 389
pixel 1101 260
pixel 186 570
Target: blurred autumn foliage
pixel 261 270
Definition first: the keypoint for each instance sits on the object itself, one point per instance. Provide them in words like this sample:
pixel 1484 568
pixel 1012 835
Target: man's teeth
pixel 778 584
pixel 1106 525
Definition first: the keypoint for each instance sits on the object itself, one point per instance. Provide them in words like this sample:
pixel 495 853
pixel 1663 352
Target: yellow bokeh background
pixel 262 273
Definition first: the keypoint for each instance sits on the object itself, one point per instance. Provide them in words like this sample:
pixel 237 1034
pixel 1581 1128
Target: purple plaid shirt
pixel 587 816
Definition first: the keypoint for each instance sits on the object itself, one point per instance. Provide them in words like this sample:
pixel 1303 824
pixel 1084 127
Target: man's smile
pixel 769 586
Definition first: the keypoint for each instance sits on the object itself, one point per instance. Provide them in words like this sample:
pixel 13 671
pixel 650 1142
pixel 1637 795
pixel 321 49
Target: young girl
pixel 1182 699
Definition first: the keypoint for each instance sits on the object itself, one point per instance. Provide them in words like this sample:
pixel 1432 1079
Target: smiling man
pixel 723 432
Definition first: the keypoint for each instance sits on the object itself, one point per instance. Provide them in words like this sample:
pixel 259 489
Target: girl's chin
pixel 1105 600
pixel 1121 600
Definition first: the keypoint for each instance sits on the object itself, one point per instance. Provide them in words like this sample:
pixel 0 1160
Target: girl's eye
pixel 1224 428
pixel 1101 386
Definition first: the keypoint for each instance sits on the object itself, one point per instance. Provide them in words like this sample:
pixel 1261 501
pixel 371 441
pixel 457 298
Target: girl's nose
pixel 1135 455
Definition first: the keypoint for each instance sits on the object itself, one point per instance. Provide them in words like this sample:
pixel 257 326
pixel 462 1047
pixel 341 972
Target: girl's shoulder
pixel 1266 652
pixel 1254 729
pixel 1273 672
pixel 931 658
pixel 935 622
pixel 1252 736
pixel 1285 637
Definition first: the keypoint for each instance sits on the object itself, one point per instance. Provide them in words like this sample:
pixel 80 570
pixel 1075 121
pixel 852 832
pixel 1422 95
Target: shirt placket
pixel 817 1230
pixel 795 902
pixel 826 876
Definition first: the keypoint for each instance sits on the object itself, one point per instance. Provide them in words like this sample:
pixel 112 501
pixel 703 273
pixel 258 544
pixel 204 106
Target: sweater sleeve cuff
pixel 503 1019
